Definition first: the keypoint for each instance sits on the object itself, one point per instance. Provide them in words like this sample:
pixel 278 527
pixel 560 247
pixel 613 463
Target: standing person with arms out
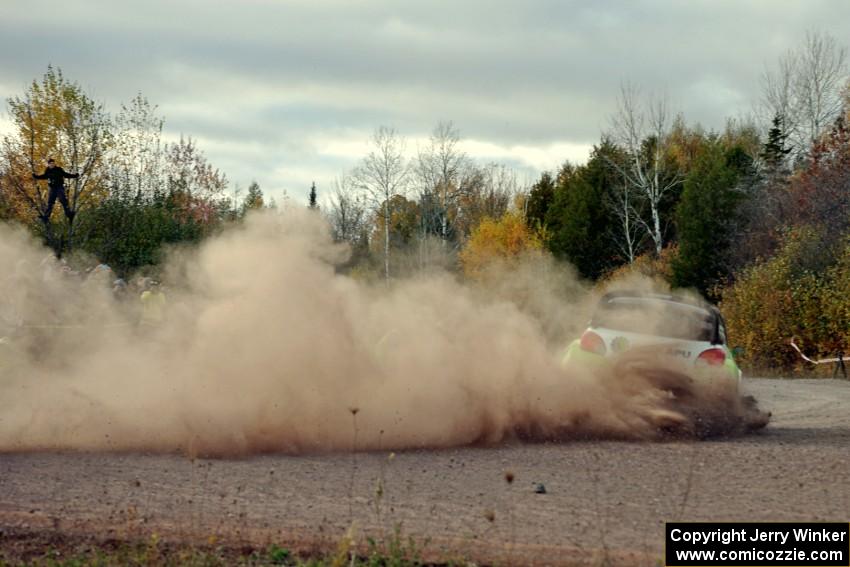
pixel 56 177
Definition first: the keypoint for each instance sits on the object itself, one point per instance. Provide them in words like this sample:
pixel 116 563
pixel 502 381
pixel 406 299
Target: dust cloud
pixel 266 348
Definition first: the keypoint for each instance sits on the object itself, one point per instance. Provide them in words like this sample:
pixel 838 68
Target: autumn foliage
pixel 498 241
pixel 760 224
pixel 647 266
pixel 790 295
pixel 803 290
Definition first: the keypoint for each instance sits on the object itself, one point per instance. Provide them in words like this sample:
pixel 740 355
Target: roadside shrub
pixel 790 295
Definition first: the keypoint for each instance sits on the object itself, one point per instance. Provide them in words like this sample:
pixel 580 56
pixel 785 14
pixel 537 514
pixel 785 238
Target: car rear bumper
pixel 576 357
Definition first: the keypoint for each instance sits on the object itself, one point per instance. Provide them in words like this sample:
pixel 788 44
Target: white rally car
pixel 688 332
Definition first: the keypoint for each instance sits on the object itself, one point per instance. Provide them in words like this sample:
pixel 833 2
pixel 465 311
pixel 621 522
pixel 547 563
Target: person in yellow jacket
pixel 153 305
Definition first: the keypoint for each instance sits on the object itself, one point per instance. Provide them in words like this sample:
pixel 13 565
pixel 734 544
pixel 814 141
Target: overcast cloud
pixel 287 92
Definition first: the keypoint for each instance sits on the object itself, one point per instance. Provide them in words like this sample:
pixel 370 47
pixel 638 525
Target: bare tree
pixel 643 129
pixel 382 175
pixel 438 170
pixel 777 90
pixel 485 191
pixel 804 89
pixel 628 234
pixel 136 157
pixel 347 212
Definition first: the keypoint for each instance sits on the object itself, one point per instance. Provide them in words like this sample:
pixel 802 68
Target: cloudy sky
pixel 289 91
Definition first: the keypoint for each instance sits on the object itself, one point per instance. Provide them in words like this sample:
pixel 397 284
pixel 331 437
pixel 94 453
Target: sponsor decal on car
pixel 679 352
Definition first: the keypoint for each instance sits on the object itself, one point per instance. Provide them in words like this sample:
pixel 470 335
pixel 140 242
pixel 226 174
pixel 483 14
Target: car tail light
pixel 712 357
pixel 592 342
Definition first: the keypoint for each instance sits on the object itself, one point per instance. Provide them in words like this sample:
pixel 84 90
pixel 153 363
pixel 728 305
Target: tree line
pixel 756 215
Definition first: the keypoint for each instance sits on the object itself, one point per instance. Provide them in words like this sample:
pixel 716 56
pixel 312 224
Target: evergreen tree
pixel 539 200
pixel 706 215
pixel 775 153
pixel 578 220
pixel 254 198
pixel 313 204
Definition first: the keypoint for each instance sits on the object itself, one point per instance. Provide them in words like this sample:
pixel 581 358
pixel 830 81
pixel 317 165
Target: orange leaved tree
pixel 497 241
pixel 54 119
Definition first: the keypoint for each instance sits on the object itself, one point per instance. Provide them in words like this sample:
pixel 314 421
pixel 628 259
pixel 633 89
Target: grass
pixel 395 551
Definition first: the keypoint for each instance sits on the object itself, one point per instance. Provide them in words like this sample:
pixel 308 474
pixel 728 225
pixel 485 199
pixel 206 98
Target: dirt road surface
pixel 603 499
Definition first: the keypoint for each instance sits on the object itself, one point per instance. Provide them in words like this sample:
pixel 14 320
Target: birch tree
pixel 438 170
pixel 642 128
pixel 346 213
pixel 628 234
pixel 136 157
pixel 382 175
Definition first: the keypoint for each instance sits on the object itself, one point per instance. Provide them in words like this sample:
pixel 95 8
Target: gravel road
pixel 603 500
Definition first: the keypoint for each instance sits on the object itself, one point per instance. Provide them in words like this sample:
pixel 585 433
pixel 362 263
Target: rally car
pixel 686 332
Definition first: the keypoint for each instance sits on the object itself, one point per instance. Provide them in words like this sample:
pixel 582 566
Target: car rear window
pixel 655 317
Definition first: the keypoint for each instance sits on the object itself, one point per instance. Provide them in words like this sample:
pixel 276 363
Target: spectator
pixel 153 305
pixel 55 177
